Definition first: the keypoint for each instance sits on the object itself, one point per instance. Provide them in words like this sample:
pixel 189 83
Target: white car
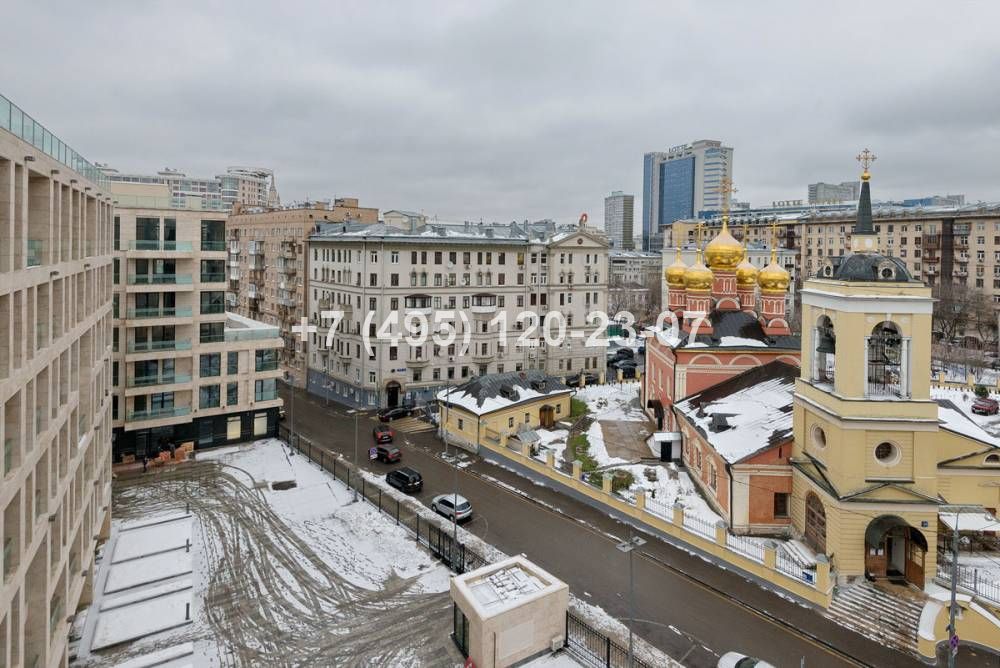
pixel 452 506
pixel 737 660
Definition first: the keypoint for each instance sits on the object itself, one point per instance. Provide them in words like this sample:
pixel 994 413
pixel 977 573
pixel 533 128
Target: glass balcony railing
pixel 35 247
pixel 266 395
pixel 158 245
pixel 209 245
pixel 209 309
pixel 212 338
pixel 213 277
pixel 24 126
pixel 150 346
pixel 161 312
pixel 159 279
pixel 165 379
pixel 158 413
pixel 267 366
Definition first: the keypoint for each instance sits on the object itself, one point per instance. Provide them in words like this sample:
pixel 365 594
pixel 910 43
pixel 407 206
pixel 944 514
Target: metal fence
pixel 699 525
pixel 439 539
pixel 748 547
pixel 597 649
pixel 969 578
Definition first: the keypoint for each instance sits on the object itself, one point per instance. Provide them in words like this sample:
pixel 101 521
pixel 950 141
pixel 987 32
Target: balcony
pixel 161 312
pixel 252 291
pixel 158 413
pixel 234 246
pixel 481 356
pixel 255 248
pixel 284 266
pixel 268 365
pixel 232 299
pixel 159 279
pixel 418 362
pixel 234 262
pixel 961 273
pixel 266 395
pixel 288 252
pixel 159 245
pixel 483 309
pixel 154 346
pixel 163 379
pixel 213 245
pixel 213 277
pixel 931 270
pixel 235 275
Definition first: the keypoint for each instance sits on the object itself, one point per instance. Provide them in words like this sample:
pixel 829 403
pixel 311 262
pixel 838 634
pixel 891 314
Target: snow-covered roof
pixel 746 413
pixel 968 519
pixel 730 329
pixel 953 412
pixel 493 392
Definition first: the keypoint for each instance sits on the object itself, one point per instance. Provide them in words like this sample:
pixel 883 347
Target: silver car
pixel 452 506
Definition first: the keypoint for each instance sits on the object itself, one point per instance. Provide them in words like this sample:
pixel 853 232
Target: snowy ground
pixel 963 399
pixel 299 576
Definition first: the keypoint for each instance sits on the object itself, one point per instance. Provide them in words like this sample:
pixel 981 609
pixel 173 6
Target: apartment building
pixel 246 186
pixel 184 369
pixel 618 218
pixel 488 276
pixel 55 381
pixel 268 265
pixel 825 193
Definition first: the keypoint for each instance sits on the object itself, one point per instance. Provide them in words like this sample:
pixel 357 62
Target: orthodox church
pixel 834 439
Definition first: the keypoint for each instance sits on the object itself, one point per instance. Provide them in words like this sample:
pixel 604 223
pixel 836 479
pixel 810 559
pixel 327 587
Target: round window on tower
pixel 818 436
pixel 886 453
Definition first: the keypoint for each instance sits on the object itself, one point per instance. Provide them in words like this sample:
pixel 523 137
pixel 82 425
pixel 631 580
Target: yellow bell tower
pixel 864 467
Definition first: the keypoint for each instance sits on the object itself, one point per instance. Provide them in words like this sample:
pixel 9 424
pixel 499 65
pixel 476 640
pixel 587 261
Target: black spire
pixel 863 225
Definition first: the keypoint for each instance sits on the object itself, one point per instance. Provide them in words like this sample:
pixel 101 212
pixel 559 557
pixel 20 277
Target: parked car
pixel 405 479
pixel 383 434
pixel 624 353
pixel 452 506
pixel 985 406
pixel 390 414
pixel 737 660
pixel 627 367
pixel 387 455
pixel 588 379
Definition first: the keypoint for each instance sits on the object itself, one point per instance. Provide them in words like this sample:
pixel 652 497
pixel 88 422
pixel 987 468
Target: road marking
pixel 411 425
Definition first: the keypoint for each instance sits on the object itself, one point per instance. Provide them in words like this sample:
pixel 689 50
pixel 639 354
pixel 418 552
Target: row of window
pixel 347 255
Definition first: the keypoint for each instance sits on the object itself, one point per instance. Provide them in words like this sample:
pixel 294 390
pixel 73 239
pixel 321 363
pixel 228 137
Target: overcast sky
pixel 514 110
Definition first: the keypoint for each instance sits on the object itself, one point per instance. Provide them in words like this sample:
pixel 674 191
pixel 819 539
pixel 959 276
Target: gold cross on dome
pixel 866 158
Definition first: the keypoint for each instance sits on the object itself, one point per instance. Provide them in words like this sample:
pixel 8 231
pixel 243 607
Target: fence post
pixel 678 514
pixel 321 458
pixel 606 483
pixel 397 519
pixel 418 520
pixel 607 639
pixel 822 573
pixel 566 635
pixel 640 499
pixel 362 486
pixel 380 500
pixel 348 477
pixel 720 533
pixel 770 554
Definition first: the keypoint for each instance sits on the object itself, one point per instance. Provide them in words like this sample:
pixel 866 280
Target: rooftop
pixel 445 233
pixel 505 585
pixel 731 329
pixel 241 328
pixel 493 392
pixel 747 413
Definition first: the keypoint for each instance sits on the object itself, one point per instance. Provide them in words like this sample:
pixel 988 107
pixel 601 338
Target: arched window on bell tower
pixel 824 357
pixel 887 362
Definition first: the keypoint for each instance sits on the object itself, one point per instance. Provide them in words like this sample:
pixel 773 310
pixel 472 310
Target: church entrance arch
pixel 895 550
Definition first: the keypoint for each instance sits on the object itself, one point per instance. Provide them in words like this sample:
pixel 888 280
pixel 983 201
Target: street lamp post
pixel 357 465
pixel 627 547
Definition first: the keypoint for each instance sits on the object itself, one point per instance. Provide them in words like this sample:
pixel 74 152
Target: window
pixel 887 453
pixel 232 394
pixel 232 363
pixel 510 423
pixel 210 365
pixel 461 423
pixel 394 257
pixel 208 396
pixel 265 390
pixel 266 360
pixel 781 504
pixel 213 302
pixel 818 436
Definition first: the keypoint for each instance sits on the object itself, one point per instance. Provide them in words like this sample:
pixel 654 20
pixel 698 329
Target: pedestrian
pixel 145 463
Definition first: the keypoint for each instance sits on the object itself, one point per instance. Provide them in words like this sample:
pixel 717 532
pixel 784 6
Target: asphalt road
pixel 691 609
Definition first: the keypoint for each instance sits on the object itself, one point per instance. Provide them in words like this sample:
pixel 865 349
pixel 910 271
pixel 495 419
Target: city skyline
pixel 546 129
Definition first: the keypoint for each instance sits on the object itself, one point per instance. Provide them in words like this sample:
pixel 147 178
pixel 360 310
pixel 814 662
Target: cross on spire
pixel 866 158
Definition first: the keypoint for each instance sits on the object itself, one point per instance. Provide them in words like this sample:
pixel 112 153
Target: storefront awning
pixel 968 519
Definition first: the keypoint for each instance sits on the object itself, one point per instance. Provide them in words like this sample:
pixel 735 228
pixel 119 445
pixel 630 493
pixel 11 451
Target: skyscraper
pixel 825 193
pixel 618 214
pixel 681 182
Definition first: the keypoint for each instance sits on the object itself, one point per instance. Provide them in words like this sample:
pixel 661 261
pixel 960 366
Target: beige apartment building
pixel 55 382
pixel 184 369
pixel 267 265
pixel 486 276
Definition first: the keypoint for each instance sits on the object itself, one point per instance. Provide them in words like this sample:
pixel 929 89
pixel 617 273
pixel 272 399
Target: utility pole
pixel 628 547
pixel 952 636
pixel 357 466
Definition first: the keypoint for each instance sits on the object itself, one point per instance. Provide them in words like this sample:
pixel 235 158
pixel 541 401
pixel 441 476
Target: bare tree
pixel 952 311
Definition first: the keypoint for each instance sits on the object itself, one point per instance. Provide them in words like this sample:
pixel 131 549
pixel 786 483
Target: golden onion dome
pixel 746 274
pixel 724 252
pixel 674 274
pixel 698 276
pixel 774 277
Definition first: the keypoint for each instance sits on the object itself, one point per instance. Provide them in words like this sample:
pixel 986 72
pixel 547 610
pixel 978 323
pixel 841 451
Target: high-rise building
pixel 268 267
pixel 680 183
pixel 490 278
pixel 55 385
pixel 618 212
pixel 827 193
pixel 247 186
pixel 184 369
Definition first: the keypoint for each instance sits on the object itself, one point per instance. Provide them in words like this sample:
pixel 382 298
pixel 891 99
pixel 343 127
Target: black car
pixel 588 379
pixel 390 414
pixel 627 367
pixel 405 479
pixel 624 353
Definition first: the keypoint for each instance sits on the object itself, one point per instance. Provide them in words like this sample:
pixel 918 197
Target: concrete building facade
pixel 268 265
pixel 55 382
pixel 184 369
pixel 618 214
pixel 680 183
pixel 495 283
pixel 825 193
pixel 247 186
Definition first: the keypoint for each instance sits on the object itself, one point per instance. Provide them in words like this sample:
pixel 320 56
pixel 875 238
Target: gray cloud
pixel 512 110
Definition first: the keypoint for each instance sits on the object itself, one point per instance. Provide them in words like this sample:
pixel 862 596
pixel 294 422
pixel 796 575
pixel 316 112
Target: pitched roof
pixel 738 329
pixel 496 391
pixel 745 414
